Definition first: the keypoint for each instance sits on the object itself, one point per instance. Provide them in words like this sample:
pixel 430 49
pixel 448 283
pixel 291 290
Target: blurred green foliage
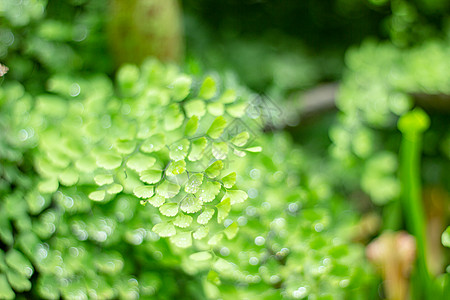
pixel 152 185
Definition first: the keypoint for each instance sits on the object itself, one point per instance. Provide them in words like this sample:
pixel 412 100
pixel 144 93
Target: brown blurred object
pixel 394 254
pixel 3 70
pixel 437 207
pixel 367 227
pixel 138 29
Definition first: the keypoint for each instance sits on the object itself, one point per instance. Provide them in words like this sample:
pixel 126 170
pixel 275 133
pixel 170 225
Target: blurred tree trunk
pixel 141 28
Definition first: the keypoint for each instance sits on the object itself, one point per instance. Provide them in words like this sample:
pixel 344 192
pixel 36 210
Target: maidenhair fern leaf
pixel 182 239
pixel 103 179
pixel 143 191
pixel 109 161
pixel 205 216
pixel 97 195
pixel 169 209
pixel 140 162
pixel 182 220
pixel 200 256
pixel 179 150
pixel 229 180
pixel 193 184
pixel 173 117
pixel 164 229
pixel 201 232
pixel 223 209
pixel 181 87
pixel 195 107
pixel 208 88
pixel 220 150
pixel 157 200
pixel 176 168
pixel 214 169
pixel 191 126
pixel 241 139
pixel 191 204
pixel 197 149
pixel 154 143
pixel 217 127
pixel 168 189
pixel 150 176
pixel 208 191
pixel 236 196
pixel 231 230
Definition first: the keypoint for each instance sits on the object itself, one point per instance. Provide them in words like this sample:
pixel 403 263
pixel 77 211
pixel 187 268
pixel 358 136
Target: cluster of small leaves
pixel 163 141
pixel 376 90
pixel 294 238
pixel 54 221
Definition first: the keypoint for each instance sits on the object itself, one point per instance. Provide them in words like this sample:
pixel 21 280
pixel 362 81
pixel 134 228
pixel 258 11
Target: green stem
pixel 412 125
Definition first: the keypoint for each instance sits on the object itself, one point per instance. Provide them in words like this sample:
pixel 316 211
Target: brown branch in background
pixel 3 70
pixel 314 102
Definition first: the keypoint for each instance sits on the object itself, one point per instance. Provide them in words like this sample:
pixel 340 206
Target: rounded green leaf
pixel 220 150
pixel 223 209
pixel 103 179
pixel 125 146
pixel 191 204
pixel 201 232
pixel 169 209
pixel 181 87
pixel 182 239
pixel 109 161
pixel 179 150
pixel 236 196
pixel 114 188
pixel 241 139
pixel 154 143
pixel 231 230
pixel 168 189
pixel 191 126
pixel 205 216
pixel 173 118
pixel 48 186
pixel 97 195
pixel 198 147
pixel 201 256
pixel 214 169
pixel 156 200
pixel 164 229
pixel 217 127
pixel 140 162
pixel 208 191
pixel 193 184
pixel 254 149
pixel 176 168
pixel 143 191
pixel 216 108
pixel 150 176
pixel 229 180
pixel 182 220
pixel 68 177
pixel 195 108
pixel 208 88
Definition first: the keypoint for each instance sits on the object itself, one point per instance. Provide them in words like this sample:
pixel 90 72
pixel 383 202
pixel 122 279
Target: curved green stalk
pixel 412 125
